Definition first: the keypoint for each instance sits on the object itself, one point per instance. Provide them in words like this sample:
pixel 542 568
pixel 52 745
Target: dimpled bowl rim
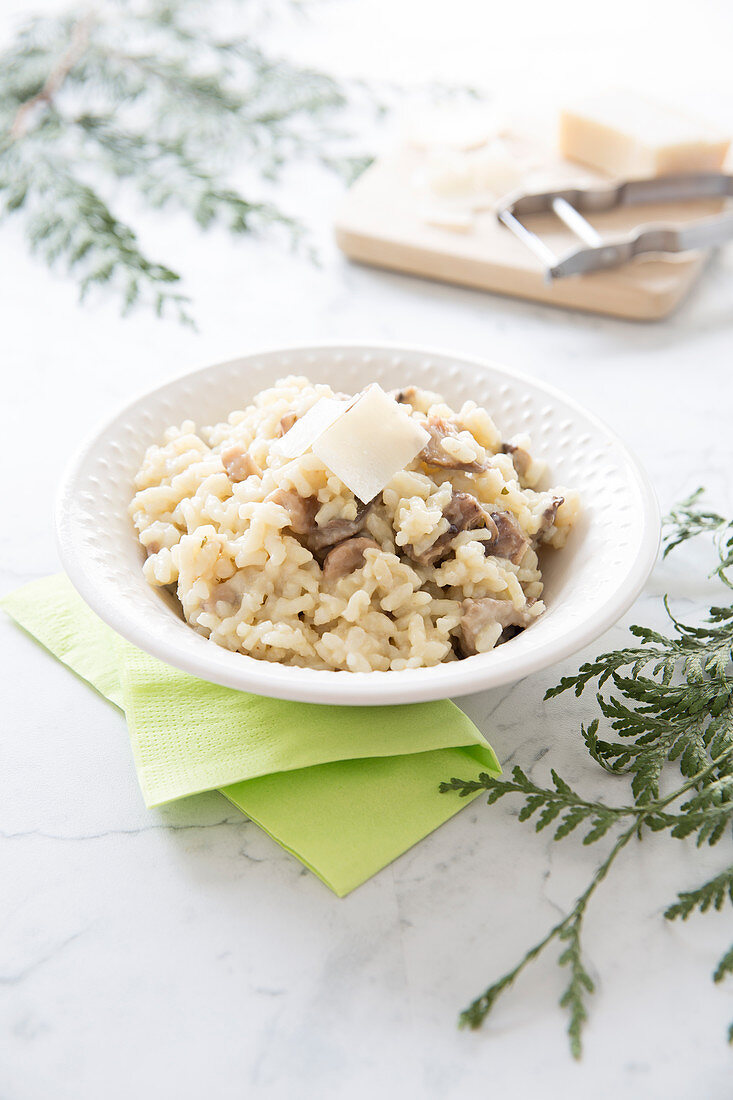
pixel 589 584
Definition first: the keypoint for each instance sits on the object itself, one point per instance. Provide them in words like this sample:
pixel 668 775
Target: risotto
pixel 273 555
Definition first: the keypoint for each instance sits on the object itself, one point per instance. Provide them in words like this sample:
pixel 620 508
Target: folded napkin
pixel 344 789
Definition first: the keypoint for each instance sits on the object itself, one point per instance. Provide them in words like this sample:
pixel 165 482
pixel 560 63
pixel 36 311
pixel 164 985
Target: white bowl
pixel 588 585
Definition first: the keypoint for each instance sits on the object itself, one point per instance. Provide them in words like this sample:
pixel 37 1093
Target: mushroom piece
pixel 238 464
pixel 464 513
pixel 548 519
pixel 476 615
pixel 335 531
pixel 510 540
pixel 405 396
pixel 346 557
pixel 286 423
pixel 433 453
pixel 224 592
pixel 418 399
pixel 522 459
pixel 302 510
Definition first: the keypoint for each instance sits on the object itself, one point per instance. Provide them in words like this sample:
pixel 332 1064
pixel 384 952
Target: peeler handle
pixel 646 240
pixel 569 204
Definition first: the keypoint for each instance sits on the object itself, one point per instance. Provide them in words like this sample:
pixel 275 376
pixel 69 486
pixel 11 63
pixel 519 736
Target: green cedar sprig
pixel 149 95
pixel 669 704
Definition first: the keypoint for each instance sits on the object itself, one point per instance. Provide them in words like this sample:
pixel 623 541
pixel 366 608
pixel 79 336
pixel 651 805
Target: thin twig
pixel 77 46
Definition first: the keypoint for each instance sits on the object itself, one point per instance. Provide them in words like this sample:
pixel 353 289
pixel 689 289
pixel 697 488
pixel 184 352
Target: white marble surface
pixel 180 951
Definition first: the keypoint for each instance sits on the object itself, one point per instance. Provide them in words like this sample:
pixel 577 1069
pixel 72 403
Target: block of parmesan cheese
pixel 627 135
pixel 370 443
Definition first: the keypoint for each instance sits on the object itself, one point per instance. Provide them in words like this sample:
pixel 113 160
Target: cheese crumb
pixel 461 126
pixel 454 220
pixel 491 172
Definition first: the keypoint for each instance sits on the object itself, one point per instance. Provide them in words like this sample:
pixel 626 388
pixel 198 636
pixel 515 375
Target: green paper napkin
pixel 345 789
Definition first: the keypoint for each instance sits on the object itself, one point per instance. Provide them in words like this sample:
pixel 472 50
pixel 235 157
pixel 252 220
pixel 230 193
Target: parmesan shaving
pixel 310 426
pixel 370 443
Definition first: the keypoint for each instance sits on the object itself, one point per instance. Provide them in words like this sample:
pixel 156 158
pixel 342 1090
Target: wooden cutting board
pixel 380 224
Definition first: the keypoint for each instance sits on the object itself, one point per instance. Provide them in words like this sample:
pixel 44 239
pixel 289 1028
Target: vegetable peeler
pixel 570 204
